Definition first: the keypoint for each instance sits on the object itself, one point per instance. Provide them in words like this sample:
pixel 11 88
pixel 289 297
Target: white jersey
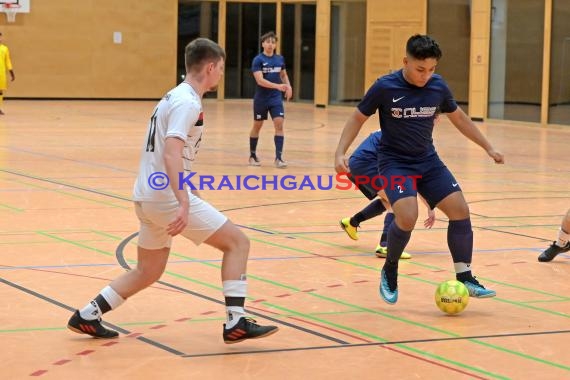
pixel 178 114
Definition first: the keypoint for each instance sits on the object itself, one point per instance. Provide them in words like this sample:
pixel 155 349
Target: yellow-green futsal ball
pixel 451 297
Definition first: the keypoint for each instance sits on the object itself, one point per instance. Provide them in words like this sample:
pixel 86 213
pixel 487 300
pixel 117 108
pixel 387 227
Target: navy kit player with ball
pixel 408 102
pixel 272 82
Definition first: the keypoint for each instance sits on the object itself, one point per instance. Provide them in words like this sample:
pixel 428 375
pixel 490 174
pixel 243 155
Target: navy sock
pixel 278 146
pixel 373 209
pixel 103 304
pixel 387 221
pixel 397 241
pixel 235 301
pixel 460 240
pixel 253 145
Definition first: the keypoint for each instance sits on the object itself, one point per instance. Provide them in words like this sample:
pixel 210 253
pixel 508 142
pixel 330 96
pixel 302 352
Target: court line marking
pixel 71 309
pixel 387 343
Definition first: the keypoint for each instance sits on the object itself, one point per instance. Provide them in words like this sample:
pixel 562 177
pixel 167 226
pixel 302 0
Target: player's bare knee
pixel 407 221
pixel 238 244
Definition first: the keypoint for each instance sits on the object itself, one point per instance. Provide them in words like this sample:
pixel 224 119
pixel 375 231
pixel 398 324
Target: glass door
pixel 298 48
pixel 245 23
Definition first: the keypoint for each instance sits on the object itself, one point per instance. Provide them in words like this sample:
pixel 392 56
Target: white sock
pixel 92 310
pixel 234 288
pixel 563 238
pixel 112 297
pixel 462 267
pixel 233 314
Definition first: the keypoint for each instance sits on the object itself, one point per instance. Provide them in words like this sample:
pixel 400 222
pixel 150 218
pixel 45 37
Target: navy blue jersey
pixel 407 113
pixel 369 148
pixel 271 68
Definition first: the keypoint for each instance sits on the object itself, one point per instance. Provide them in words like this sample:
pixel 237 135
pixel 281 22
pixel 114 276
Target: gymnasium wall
pixel 65 49
pixel 525 31
pixel 388 27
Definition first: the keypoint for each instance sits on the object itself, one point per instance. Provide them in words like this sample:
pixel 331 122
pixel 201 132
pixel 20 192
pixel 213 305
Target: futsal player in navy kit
pixel 364 163
pixel 272 83
pixel 407 101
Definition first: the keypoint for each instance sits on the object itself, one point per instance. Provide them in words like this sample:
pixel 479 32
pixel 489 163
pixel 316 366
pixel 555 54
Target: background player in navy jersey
pixel 364 162
pixel 272 81
pixel 407 101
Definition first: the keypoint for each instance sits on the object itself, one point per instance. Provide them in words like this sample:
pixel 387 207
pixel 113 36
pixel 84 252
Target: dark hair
pixel 268 35
pixel 422 47
pixel 200 51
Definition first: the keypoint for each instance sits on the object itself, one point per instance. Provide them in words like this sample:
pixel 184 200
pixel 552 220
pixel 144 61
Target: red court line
pixel 38 372
pixel 434 363
pixel 61 362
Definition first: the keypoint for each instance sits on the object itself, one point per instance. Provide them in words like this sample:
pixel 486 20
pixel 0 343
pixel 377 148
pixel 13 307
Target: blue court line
pixel 265 259
pixel 178 262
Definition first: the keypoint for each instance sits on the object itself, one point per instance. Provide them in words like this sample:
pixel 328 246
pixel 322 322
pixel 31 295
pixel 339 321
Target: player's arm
pixel 349 133
pixel 173 151
pixel 285 80
pixel 261 81
pixel 466 126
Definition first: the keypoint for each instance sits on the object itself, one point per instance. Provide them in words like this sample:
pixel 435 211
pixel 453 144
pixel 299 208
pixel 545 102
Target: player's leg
pixel 388 219
pixel 399 233
pixel 402 195
pixel 278 115
pixel 364 174
pixel 440 189
pixel 562 244
pixel 152 254
pixel 351 224
pixel 382 247
pixel 1 101
pixel 209 226
pixel 259 115
pixel 235 247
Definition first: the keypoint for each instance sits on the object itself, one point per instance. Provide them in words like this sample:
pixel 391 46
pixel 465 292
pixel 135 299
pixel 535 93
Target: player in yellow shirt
pixel 5 65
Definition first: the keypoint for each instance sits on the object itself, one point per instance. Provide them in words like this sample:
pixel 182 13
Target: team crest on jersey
pixel 412 112
pixel 267 70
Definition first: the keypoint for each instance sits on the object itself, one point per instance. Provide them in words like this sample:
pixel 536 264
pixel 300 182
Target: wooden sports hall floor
pixel 67 225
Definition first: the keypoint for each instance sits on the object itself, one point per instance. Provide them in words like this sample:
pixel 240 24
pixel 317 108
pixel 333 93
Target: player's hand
pixel 288 92
pixel 180 222
pixel 13 76
pixel 430 221
pixel 497 156
pixel 341 164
